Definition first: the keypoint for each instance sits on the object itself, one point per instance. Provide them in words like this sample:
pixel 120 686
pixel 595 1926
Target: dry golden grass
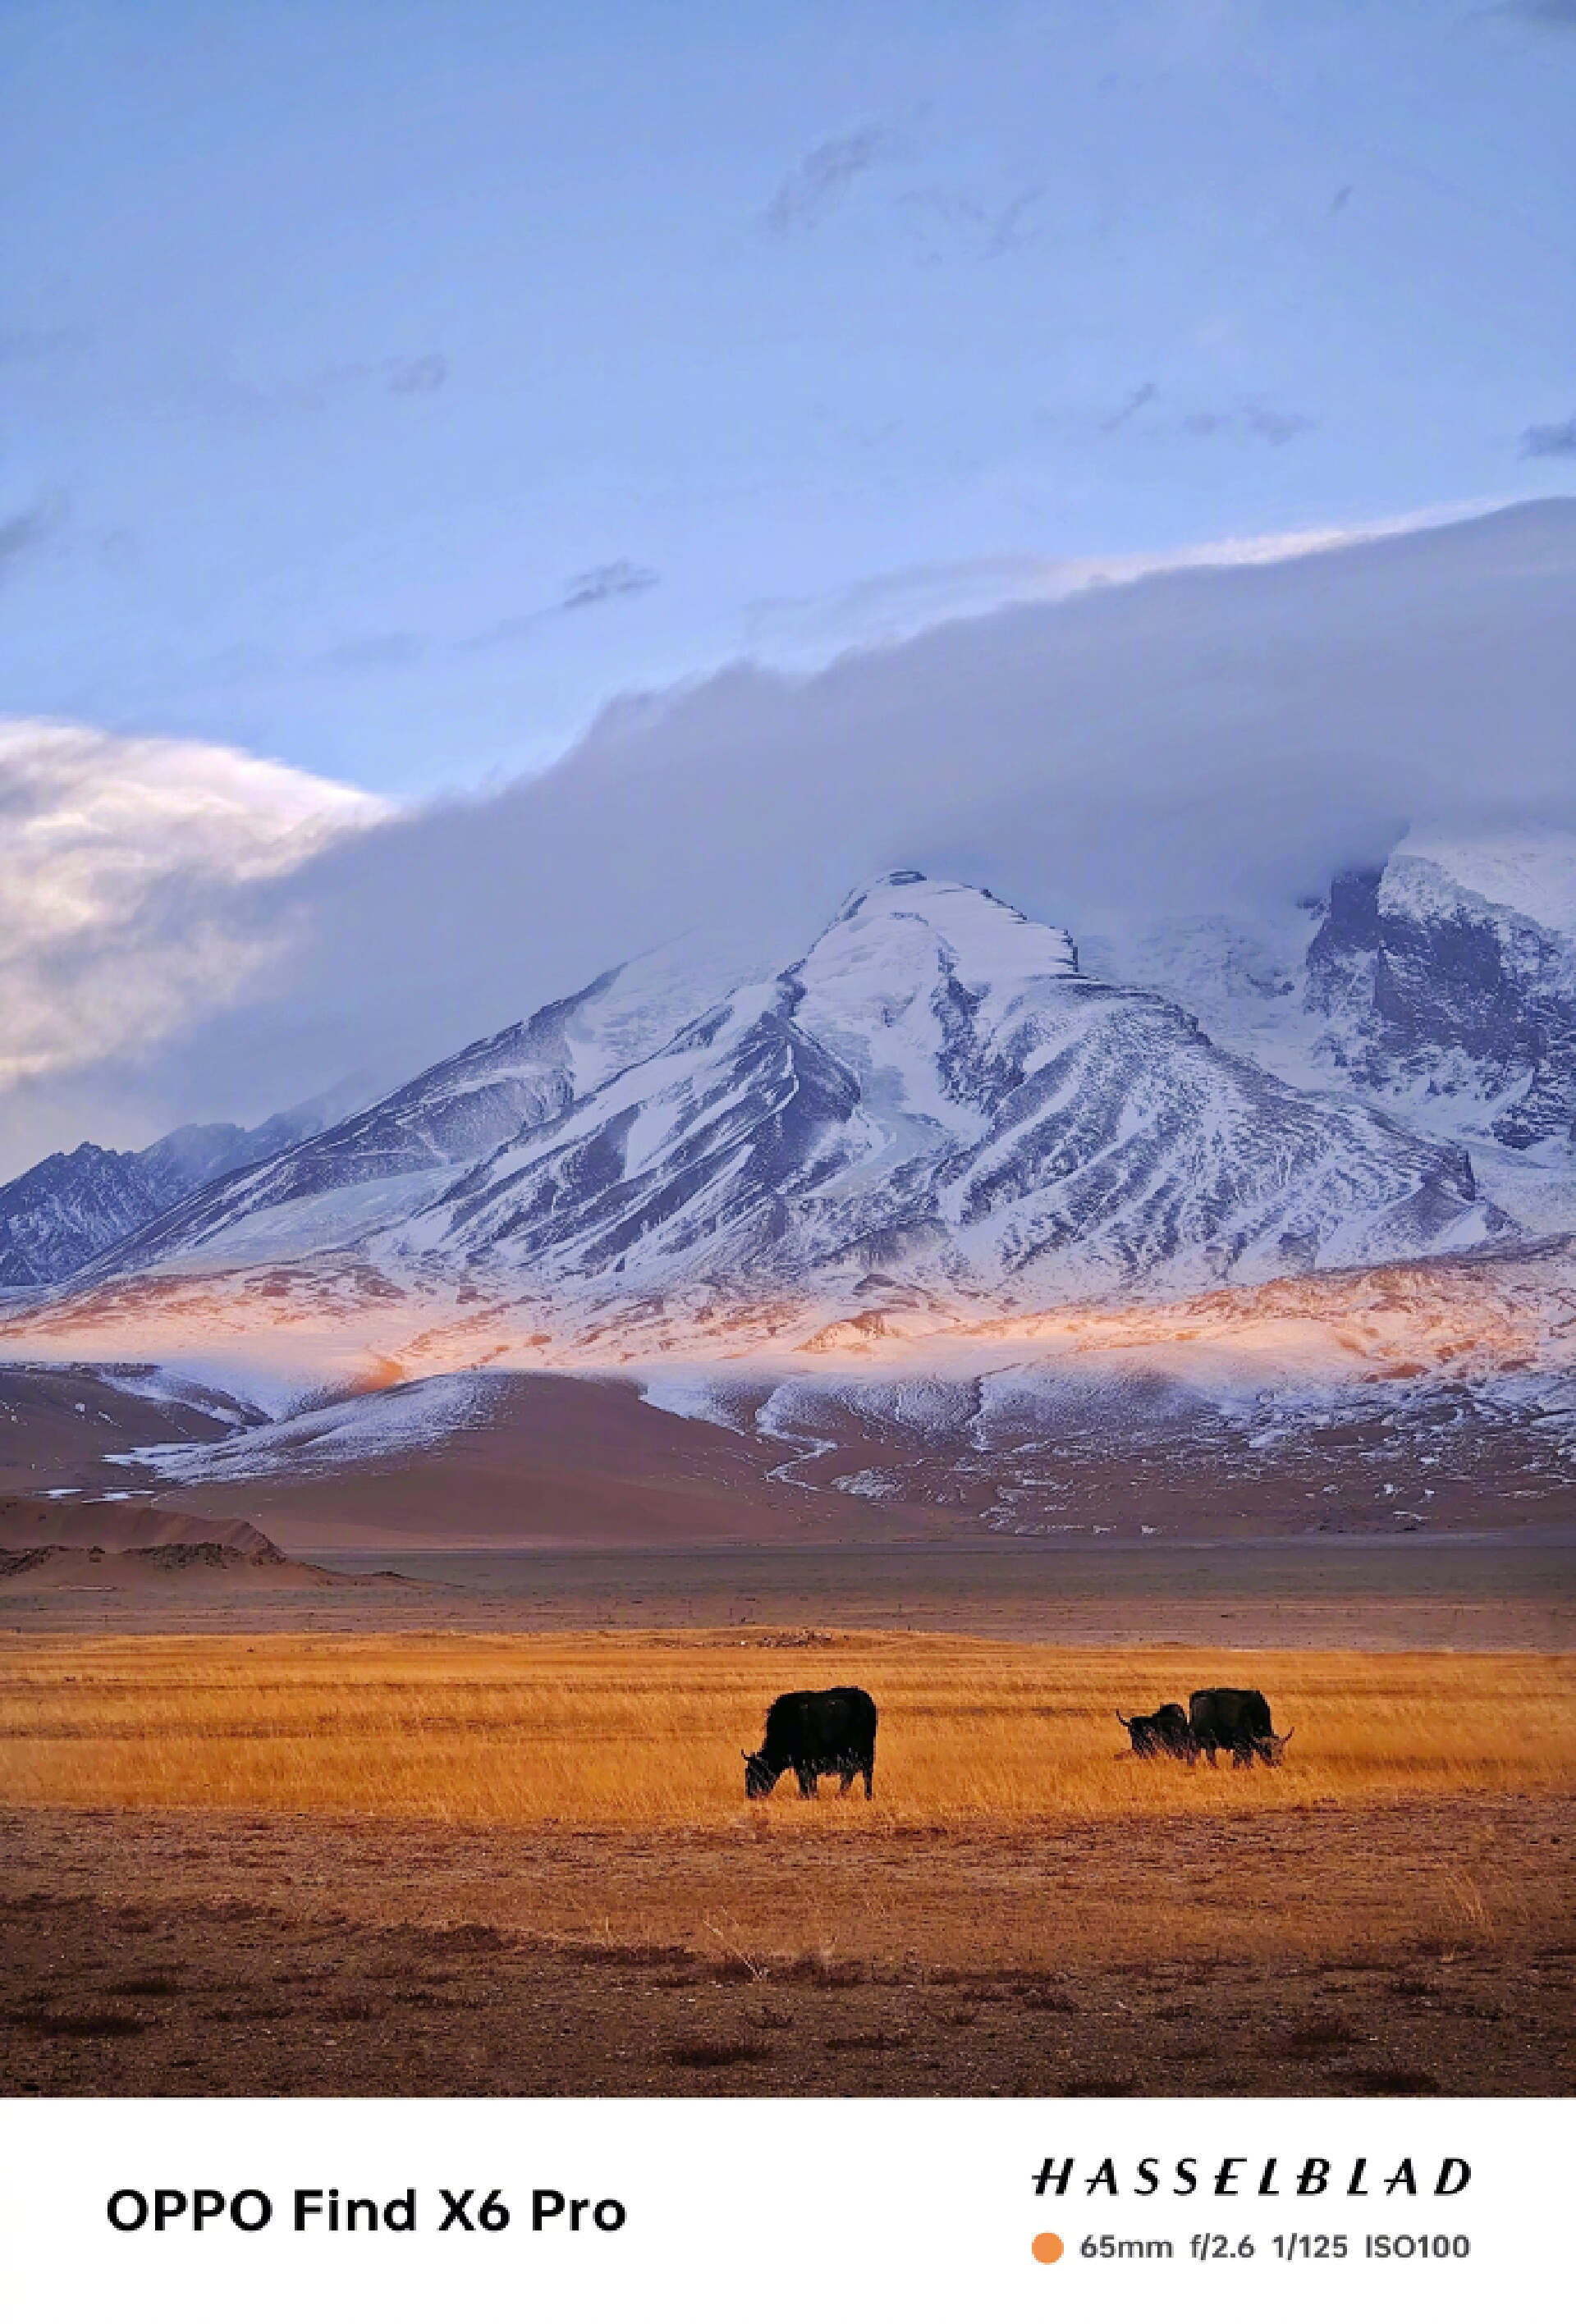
pixel 642 1731
pixel 587 1790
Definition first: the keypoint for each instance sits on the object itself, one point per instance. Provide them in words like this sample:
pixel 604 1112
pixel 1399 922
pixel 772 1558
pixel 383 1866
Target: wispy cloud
pixel 818 184
pixel 381 651
pixel 512 631
pixel 887 607
pixel 27 530
pixel 598 586
pixel 948 222
pixel 1250 422
pixel 1550 439
pixel 1126 409
pixel 406 375
pixel 622 578
pixel 415 376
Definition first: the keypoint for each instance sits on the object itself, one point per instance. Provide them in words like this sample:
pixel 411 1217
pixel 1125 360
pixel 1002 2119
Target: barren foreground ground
pixel 460 1864
pixel 1462 1591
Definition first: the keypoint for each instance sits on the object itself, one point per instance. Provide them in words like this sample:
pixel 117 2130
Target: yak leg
pixel 845 1782
pixel 807 1781
pixel 869 1776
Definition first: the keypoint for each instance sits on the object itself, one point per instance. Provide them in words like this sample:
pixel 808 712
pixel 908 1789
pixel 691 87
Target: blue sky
pixel 383 387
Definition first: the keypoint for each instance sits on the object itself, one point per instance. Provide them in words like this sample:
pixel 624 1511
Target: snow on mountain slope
pixel 1393 1396
pixel 62 1212
pixel 1528 874
pixel 935 1094
pixel 1439 983
pixel 54 1217
pixel 1243 979
pixel 1418 1393
pixel 362 1428
pixel 1447 981
pixel 934 1106
pixel 382 1162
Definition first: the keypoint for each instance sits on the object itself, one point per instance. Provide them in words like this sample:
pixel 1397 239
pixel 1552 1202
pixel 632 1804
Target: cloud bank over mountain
pixel 140 896
pixel 1200 740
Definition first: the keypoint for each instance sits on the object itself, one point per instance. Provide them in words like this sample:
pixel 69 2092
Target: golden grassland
pixel 588 1788
pixel 642 1731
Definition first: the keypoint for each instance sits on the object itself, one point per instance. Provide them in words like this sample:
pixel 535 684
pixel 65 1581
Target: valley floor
pixel 194 1955
pixel 1461 1593
pixel 487 1863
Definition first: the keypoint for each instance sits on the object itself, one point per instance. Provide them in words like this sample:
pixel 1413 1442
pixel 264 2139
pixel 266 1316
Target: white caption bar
pixel 155 2211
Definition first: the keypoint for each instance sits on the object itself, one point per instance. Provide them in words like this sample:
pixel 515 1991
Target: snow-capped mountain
pixel 1440 984
pixel 933 1100
pixel 56 1216
pixel 935 1094
pixel 377 1166
pixel 1449 975
pixel 68 1208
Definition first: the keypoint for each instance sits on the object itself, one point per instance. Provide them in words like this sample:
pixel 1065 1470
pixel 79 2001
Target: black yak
pixel 1235 1719
pixel 1164 1732
pixel 829 1733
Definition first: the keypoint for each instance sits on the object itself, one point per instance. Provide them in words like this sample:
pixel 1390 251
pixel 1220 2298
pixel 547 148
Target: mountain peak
pixel 989 939
pixel 876 891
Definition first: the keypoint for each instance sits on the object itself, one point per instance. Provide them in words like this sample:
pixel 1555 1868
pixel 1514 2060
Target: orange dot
pixel 1046 2248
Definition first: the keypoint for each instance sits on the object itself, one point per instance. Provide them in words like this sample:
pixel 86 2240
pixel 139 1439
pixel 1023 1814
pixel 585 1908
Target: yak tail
pixel 1126 1723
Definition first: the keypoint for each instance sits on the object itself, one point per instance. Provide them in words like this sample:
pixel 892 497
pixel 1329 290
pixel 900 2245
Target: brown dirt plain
pixel 452 1862
pixel 556 1461
pixel 1463 1593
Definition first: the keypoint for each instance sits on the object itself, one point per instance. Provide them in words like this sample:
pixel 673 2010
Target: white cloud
pixel 130 873
pixel 886 607
pixel 1215 738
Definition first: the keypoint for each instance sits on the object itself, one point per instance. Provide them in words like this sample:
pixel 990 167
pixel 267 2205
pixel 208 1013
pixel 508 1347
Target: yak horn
pixel 1286 1737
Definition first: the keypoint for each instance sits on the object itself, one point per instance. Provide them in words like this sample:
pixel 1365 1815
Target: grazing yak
pixel 1165 1732
pixel 1235 1719
pixel 829 1733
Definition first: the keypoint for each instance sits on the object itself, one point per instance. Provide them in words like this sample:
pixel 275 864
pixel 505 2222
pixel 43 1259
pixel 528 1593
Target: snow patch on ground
pixel 698 1392
pixel 870 1484
pixel 367 1431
